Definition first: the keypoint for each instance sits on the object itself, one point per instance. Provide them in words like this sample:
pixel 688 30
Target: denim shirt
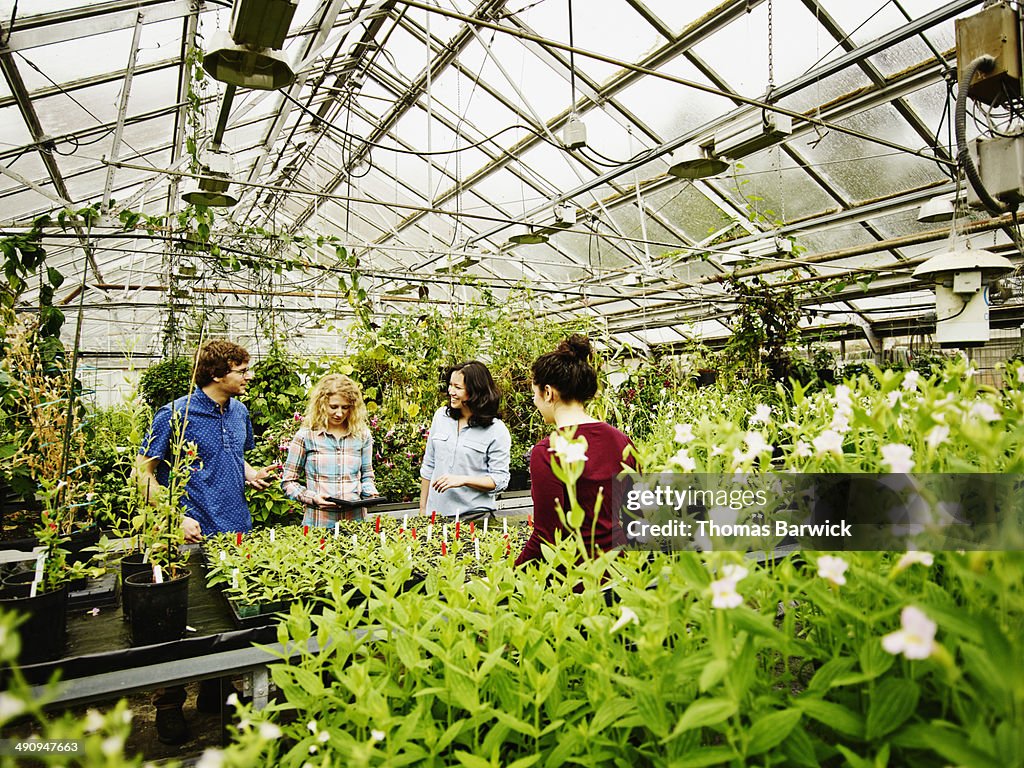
pixel 472 451
pixel 215 492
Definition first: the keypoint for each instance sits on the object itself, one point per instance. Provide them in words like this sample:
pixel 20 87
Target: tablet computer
pixel 373 501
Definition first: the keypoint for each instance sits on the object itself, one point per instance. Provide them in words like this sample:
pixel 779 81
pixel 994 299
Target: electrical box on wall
pixel 1000 164
pixel 994 31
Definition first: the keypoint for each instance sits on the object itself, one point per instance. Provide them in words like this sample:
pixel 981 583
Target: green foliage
pixel 276 391
pixel 397 455
pixel 765 331
pixel 167 380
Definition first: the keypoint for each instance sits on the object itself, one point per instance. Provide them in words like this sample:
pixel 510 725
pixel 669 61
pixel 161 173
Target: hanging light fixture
pixel 937 210
pixel 211 190
pixel 692 161
pixel 528 236
pixel 250 56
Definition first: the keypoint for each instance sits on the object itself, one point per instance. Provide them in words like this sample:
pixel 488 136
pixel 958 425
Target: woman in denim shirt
pixel 466 460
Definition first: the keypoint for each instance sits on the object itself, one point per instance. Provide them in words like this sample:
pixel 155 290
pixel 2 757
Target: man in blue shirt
pixel 219 426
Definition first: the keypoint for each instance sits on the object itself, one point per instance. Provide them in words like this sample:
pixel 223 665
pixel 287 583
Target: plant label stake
pixel 405 521
pixel 305 530
pixel 238 539
pixel 337 528
pixel 271 535
pixel 355 541
pixel 223 556
pixel 413 534
pixel 158 574
pixel 476 549
pixel 382 539
pixel 323 543
pixel 485 526
pixel 444 533
pixel 504 525
pixel 433 517
pixel 457 526
pixel 376 524
pixel 430 531
pixel 234 578
pixel 444 549
pixel 145 556
pixel 472 529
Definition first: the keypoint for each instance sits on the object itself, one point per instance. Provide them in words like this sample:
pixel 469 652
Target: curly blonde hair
pixel 329 386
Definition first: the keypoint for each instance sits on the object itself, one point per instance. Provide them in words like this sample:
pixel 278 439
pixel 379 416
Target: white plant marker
pixel 271 535
pixel 476 548
pixel 355 540
pixel 382 539
pixel 444 533
pixel 223 556
pixel 158 575
pixel 485 526
pixel 234 578
pixel 405 521
pixel 430 531
pixel 337 528
pixel 504 525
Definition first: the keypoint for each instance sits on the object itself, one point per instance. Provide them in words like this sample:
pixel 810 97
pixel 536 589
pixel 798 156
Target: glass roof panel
pixel 748 74
pixel 861 180
pixel 669 108
pixel 600 26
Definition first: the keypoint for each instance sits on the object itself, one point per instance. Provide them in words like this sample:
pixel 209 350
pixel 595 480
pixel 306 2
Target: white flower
pixel 842 396
pixel 938 435
pixel 684 433
pixel 910 379
pixel 232 699
pixel 762 414
pixel 724 594
pixel 892 398
pixel 376 735
pixel 916 637
pixel 569 451
pixel 897 457
pixel 10 706
pixel 126 716
pixel 840 423
pixel 628 617
pixel 94 721
pixel 984 411
pixel 828 442
pixel 734 572
pixel 832 568
pixel 756 444
pixel 971 370
pixel 716 450
pixel 211 758
pixel 913 556
pixel 684 460
pixel 269 731
pixel 802 449
pixel 112 746
pixel 312 726
pixel 323 737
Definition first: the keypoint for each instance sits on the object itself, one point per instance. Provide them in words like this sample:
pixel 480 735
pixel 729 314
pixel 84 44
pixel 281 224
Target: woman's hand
pixel 444 482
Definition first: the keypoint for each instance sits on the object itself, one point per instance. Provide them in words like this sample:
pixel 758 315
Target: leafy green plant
pixel 166 381
pixel 276 390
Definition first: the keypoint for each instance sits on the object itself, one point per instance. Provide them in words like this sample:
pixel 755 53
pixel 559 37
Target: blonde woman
pixel 333 450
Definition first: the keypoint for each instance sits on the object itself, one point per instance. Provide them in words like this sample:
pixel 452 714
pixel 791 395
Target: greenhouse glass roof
pixel 424 135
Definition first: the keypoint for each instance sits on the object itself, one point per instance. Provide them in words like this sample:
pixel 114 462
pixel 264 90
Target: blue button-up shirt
pixel 471 451
pixel 215 493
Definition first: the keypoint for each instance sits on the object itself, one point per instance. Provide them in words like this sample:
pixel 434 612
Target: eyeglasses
pixel 240 371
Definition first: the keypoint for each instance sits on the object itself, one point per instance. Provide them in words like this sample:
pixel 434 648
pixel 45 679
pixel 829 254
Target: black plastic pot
pixel 159 612
pixel 130 565
pixel 44 630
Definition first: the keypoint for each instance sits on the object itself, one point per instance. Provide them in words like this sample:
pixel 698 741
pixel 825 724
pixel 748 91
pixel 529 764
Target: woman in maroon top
pixel 563 381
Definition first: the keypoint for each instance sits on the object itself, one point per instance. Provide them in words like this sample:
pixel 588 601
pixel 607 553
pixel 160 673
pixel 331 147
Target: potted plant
pixel 157 597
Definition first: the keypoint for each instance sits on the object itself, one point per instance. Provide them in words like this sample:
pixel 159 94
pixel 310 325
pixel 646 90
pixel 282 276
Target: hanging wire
pixel 572 63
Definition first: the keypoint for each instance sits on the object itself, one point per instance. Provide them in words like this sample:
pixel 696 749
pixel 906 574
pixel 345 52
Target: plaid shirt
pixel 338 467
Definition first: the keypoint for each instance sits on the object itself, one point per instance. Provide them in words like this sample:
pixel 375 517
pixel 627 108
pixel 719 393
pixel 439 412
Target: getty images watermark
pixel 766 512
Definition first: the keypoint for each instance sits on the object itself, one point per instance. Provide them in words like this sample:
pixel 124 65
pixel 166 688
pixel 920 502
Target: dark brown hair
pixel 215 358
pixel 569 369
pixel 482 395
